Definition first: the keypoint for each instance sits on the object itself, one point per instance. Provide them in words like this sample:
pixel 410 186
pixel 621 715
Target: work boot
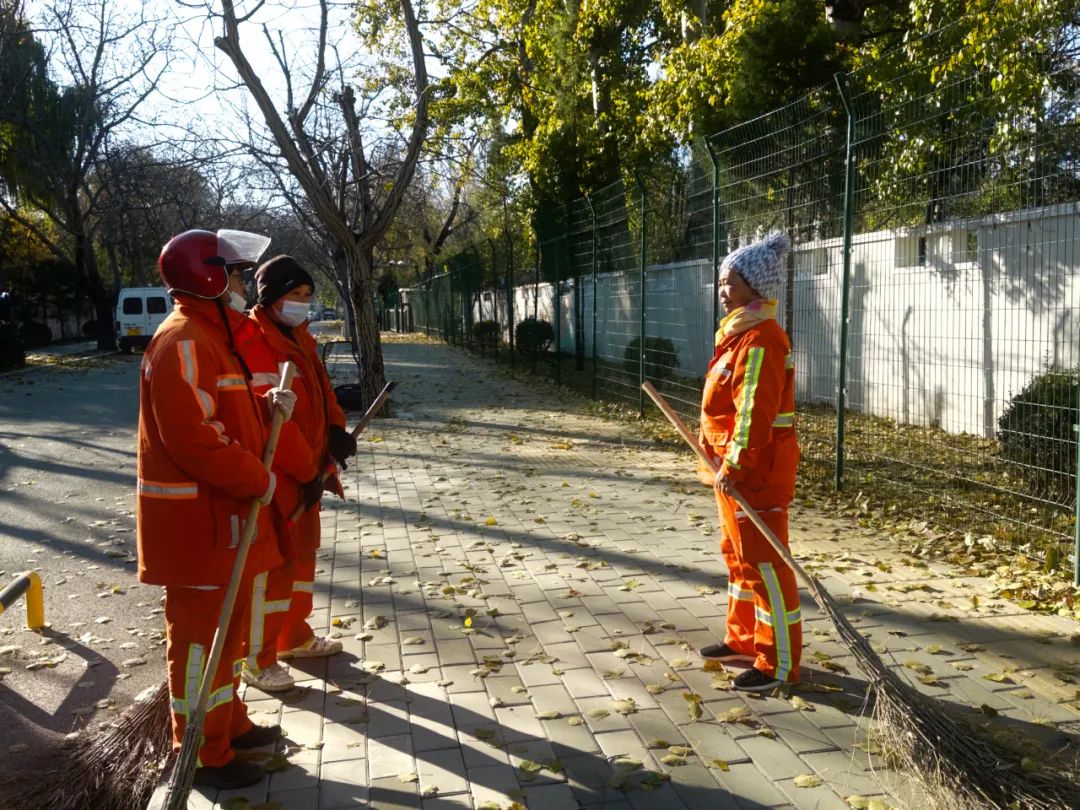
pixel 234 774
pixel 754 680
pixel 722 652
pixel 257 737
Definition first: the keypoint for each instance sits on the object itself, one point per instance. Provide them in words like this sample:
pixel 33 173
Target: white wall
pixel 946 322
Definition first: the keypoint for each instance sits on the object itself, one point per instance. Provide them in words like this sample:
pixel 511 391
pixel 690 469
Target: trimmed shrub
pixel 486 333
pixel 533 337
pixel 1035 432
pixel 34 334
pixel 11 350
pixel 661 358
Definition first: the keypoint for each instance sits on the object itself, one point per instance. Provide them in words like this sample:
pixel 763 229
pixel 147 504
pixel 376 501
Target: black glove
pixel 342 445
pixel 311 492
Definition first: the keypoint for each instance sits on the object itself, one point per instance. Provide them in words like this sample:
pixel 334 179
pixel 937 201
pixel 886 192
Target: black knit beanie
pixel 278 277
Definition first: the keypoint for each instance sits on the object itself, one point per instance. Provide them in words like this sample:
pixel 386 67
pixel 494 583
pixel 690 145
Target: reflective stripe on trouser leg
pixel 191 618
pixel 279 588
pixel 739 633
pixel 295 631
pixel 258 622
pixel 778 634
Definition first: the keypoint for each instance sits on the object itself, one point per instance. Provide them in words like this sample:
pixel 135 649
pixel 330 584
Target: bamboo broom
pixel 956 767
pixel 119 767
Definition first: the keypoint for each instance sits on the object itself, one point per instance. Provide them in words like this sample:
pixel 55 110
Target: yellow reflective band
pixel 763 616
pixel 739 594
pixel 219 697
pixel 741 438
pixel 228 382
pixel 278 606
pixel 192 678
pixel 784 420
pixel 268 378
pixel 781 636
pixel 303 587
pixel 258 617
pixel 789 361
pixel 159 489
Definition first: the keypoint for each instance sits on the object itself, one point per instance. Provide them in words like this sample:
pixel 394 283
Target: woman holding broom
pixel 748 427
pixel 318 443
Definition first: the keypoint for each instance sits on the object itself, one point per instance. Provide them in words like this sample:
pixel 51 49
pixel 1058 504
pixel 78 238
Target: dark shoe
pixel 722 652
pixel 257 737
pixel 234 775
pixel 754 680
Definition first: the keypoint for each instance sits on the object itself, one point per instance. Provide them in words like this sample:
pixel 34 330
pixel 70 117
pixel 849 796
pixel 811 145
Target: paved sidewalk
pixel 520 589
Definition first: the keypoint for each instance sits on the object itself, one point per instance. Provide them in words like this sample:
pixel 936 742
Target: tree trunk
pixel 368 347
pixel 86 265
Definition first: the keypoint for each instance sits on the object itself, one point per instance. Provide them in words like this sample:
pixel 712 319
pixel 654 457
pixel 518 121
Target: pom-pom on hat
pixel 278 277
pixel 761 263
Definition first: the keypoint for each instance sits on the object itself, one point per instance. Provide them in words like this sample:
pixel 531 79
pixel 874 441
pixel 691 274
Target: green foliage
pixel 11 349
pixel 1036 434
pixel 661 358
pixel 533 337
pixel 761 56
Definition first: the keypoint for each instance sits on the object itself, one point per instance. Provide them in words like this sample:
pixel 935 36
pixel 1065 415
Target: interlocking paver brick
pixel 460 501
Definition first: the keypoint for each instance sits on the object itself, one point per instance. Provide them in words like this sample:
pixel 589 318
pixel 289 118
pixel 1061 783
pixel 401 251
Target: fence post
pixel 592 253
pixel 641 292
pixel 715 234
pixel 1076 517
pixel 845 285
pixel 510 302
pixel 558 322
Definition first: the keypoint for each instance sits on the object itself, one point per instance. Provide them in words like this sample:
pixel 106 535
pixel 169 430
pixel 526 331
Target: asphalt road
pixel 67 510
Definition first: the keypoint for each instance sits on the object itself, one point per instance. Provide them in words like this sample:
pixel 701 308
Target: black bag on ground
pixel 350 397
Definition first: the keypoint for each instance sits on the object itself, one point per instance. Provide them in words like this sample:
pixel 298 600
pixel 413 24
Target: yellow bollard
pixel 29 583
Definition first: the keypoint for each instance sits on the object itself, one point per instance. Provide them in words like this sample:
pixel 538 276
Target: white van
pixel 139 312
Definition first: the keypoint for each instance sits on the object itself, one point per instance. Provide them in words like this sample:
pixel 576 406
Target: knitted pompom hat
pixel 761 263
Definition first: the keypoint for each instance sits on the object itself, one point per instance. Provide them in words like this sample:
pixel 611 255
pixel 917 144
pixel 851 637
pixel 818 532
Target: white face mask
pixel 237 301
pixel 292 313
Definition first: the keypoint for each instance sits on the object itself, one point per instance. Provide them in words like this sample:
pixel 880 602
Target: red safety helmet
pixel 193 263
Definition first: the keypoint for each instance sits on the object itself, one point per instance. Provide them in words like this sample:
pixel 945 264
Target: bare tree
pixel 110 64
pixel 352 192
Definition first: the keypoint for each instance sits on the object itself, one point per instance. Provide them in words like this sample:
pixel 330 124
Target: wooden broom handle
pixel 250 525
pixel 365 420
pixel 751 513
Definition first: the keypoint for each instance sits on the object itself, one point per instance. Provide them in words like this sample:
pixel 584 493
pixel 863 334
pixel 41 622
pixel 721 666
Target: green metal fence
pixel 932 297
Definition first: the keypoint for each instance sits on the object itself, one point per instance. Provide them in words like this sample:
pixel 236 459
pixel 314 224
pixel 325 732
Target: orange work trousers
pixel 191 617
pixel 764 620
pixel 281 601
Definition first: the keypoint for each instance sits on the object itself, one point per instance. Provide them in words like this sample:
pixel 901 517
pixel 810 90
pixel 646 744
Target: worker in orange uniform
pixel 202 431
pixel 748 427
pixel 282 598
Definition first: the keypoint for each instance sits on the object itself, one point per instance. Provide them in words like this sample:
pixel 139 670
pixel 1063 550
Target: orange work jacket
pixel 202 431
pixel 748 414
pixel 265 348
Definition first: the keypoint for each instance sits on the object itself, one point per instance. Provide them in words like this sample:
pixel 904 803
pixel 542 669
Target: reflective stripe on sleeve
pixel 174 492
pixel 260 378
pixel 741 435
pixel 231 382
